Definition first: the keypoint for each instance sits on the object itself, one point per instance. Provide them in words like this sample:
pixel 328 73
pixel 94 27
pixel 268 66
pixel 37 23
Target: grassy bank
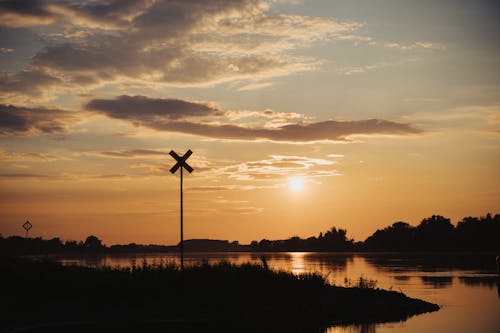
pixel 245 296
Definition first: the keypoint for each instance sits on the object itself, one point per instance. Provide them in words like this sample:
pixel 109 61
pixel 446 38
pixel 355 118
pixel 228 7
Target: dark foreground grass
pixel 43 296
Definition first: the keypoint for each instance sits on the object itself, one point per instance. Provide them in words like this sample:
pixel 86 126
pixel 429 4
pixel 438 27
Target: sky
pixel 301 115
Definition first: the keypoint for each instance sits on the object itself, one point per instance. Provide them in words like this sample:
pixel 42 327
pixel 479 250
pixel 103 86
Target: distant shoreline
pixel 433 234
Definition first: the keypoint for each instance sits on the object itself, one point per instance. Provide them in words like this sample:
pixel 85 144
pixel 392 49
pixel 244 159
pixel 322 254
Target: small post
pixel 27 226
pixel 181 163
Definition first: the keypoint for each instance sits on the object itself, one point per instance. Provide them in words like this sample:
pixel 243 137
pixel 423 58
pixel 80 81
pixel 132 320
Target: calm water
pixel 466 286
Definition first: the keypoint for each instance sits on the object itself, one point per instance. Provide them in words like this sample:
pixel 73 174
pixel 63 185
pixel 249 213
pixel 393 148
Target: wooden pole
pixel 182 226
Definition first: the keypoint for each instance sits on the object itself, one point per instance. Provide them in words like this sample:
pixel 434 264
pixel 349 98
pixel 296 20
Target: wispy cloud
pixel 277 167
pixel 416 46
pixel 231 187
pixel 4 50
pixel 21 176
pixel 132 153
pixel 7 156
pixel 63 176
pixel 373 67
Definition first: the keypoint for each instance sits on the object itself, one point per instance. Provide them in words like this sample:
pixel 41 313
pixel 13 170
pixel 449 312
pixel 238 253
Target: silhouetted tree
pixel 482 233
pixel 434 233
pixel 92 242
pixel 400 237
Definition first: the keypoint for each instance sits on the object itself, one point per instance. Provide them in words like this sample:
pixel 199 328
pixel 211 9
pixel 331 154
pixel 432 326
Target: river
pixel 465 285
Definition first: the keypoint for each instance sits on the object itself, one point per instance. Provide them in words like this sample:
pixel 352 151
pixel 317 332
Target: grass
pixel 362 282
pixel 222 293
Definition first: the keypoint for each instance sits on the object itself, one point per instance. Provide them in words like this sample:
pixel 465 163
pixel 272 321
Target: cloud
pixel 25 13
pixel 140 108
pixel 4 50
pixel 271 173
pixel 62 176
pixel 373 67
pixel 132 153
pixel 30 82
pixel 22 176
pixel 112 14
pixel 277 167
pixel 181 43
pixel 28 157
pixel 416 45
pixel 189 118
pixel 324 130
pixel 16 120
pixel 231 187
pixel 255 86
pixel 245 210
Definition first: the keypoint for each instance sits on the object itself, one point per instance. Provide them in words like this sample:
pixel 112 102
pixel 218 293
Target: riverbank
pixel 44 295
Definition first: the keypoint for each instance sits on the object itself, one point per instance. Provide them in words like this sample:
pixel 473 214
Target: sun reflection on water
pixel 298 264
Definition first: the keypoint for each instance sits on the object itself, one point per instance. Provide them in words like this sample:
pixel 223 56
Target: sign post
pixel 27 226
pixel 181 164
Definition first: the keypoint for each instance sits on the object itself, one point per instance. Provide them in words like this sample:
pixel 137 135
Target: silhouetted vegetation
pixel 162 295
pixel 92 244
pixel 333 240
pixel 435 233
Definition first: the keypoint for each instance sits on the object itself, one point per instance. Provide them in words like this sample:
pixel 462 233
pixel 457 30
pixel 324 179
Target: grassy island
pixel 44 296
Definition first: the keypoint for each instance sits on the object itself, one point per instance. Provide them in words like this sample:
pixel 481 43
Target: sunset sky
pixel 301 115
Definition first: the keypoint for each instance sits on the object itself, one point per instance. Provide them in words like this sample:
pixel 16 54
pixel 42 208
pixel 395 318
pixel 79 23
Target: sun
pixel 296 184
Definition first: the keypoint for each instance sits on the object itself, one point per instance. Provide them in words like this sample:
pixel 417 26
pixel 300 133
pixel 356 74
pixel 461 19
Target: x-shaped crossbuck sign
pixel 181 161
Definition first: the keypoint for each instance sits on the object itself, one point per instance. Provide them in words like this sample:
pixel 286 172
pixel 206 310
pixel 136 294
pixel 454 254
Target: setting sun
pixel 296 184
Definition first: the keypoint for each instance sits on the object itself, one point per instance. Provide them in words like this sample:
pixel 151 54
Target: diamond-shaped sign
pixel 27 225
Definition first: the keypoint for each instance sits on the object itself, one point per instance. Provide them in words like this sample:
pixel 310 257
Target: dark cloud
pixel 16 120
pixel 112 14
pixel 176 18
pixel 141 108
pixel 31 82
pixel 324 130
pixel 117 13
pixel 35 8
pixel 104 60
pixel 170 115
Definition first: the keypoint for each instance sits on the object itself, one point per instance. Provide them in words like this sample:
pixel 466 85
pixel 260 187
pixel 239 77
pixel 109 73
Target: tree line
pixel 435 233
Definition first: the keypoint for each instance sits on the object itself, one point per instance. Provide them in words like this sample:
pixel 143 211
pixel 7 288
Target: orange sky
pixel 302 115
